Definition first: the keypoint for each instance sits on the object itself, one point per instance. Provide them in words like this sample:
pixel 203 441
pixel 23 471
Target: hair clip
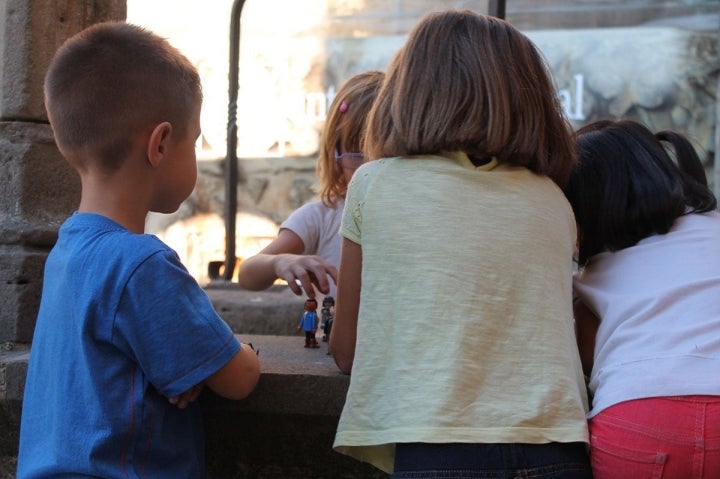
pixel 343 107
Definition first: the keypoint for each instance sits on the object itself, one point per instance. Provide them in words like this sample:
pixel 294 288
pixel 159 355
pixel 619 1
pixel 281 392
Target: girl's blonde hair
pixel 345 131
pixel 473 83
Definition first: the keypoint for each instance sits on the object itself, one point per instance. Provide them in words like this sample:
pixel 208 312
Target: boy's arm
pixel 238 377
pixel 344 329
pixel 586 326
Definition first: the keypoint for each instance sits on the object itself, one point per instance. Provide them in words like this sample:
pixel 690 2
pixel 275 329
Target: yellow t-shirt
pixel 465 328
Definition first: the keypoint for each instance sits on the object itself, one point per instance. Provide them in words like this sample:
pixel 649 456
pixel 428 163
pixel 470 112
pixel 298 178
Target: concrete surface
pixel 286 427
pixel 275 311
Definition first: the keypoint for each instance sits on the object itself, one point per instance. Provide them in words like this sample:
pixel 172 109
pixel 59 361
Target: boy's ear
pixel 158 143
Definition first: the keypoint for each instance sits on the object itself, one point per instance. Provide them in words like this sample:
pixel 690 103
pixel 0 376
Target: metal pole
pixel 231 164
pixel 496 8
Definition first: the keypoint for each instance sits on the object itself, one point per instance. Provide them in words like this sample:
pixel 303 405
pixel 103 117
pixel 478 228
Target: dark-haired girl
pixel 648 307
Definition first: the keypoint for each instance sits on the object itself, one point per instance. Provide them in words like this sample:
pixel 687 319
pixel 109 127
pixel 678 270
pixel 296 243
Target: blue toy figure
pixel 309 323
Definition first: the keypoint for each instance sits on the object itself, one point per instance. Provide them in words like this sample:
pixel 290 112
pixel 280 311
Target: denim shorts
pixel 657 438
pixel 492 461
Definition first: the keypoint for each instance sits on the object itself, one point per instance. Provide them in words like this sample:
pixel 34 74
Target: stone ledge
pixel 275 311
pixel 294 379
pixel 283 430
pixel 286 427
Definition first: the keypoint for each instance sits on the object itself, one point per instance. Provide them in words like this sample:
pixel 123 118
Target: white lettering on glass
pixel 566 98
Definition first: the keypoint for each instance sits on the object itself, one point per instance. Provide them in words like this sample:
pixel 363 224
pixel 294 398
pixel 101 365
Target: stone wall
pixel 37 188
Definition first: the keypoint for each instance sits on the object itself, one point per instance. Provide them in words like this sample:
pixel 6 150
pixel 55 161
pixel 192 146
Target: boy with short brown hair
pixel 125 337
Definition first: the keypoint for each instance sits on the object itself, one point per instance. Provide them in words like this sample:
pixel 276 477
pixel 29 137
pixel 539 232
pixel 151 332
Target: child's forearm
pixel 257 272
pixel 239 376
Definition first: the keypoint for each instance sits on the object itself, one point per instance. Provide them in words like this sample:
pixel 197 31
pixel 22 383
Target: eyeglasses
pixel 349 160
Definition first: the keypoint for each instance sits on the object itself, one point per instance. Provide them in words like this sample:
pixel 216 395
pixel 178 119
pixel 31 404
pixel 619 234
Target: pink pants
pixel 659 438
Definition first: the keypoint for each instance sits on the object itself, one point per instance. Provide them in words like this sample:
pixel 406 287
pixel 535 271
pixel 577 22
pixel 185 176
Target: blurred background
pixel 652 60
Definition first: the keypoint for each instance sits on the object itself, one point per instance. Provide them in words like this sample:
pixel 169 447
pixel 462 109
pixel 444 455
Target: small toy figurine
pixel 328 314
pixel 309 323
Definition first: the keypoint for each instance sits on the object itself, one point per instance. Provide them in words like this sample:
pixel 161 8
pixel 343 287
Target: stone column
pixel 38 190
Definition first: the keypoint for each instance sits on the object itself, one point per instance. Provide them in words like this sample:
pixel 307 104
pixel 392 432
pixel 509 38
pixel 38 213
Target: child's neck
pixel 120 204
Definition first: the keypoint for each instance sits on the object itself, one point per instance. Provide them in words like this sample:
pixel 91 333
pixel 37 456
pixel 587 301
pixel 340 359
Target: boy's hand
pixel 187 397
pixel 302 272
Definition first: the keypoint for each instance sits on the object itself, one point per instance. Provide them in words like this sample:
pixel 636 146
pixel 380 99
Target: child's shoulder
pixel 313 213
pixel 368 172
pixel 97 234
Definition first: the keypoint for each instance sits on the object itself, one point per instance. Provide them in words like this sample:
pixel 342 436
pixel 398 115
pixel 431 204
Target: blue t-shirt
pixel 309 321
pixel 122 327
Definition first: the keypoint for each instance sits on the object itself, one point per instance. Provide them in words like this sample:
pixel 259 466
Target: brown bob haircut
pixel 345 130
pixel 111 82
pixel 473 83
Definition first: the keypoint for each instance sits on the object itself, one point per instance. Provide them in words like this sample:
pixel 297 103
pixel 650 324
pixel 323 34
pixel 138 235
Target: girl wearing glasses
pixel 307 248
